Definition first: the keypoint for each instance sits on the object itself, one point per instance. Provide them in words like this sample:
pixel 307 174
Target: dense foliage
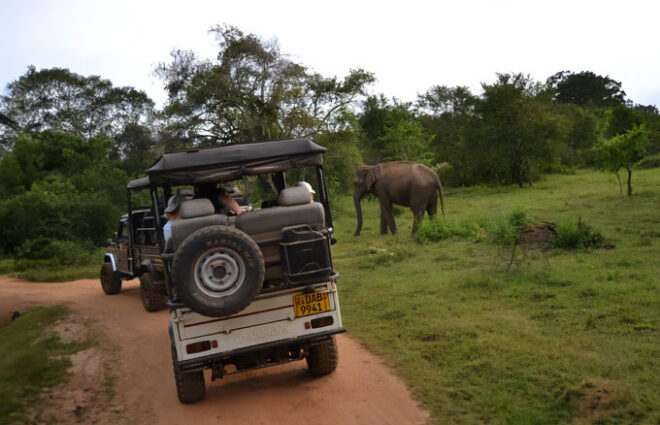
pixel 69 143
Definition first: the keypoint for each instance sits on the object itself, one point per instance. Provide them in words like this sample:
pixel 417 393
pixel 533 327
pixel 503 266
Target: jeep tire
pixel 152 291
pixel 110 280
pixel 190 386
pixel 323 357
pixel 218 270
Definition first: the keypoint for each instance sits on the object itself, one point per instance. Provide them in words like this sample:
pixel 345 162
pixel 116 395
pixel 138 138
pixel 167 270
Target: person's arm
pixel 230 203
pixel 167 230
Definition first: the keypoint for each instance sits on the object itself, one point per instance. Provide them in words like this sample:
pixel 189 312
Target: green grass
pixel 480 344
pixel 31 359
pixel 50 270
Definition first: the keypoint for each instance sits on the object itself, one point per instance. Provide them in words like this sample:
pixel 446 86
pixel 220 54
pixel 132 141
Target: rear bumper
pixel 295 344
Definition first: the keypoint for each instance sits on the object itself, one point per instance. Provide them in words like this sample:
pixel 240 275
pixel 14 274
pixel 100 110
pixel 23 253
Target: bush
pixel 578 235
pixel 652 161
pixel 438 229
pixel 43 252
pixel 505 230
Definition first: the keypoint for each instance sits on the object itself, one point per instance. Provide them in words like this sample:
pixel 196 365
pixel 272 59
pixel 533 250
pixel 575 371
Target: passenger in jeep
pixel 219 196
pixel 172 214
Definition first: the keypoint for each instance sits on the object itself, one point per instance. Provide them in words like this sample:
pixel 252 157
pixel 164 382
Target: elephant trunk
pixel 358 210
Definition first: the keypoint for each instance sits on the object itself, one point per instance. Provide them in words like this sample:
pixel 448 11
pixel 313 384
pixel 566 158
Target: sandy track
pixel 361 391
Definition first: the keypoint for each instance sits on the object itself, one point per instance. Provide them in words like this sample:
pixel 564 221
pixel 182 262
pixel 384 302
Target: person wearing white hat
pixel 308 187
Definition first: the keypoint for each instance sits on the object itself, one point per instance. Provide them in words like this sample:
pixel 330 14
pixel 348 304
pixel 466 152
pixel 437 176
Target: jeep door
pixel 122 244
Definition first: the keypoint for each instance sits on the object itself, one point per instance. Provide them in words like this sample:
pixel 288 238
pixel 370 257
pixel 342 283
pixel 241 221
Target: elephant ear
pixel 370 178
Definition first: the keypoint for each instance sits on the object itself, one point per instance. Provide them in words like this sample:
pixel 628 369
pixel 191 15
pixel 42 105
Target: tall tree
pixel 515 134
pixel 585 89
pixel 57 99
pixel 392 132
pixel 251 92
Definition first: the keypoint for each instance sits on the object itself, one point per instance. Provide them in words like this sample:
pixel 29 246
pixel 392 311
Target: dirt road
pixel 361 391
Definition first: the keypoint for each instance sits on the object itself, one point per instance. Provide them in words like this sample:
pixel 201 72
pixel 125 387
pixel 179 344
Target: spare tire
pixel 218 270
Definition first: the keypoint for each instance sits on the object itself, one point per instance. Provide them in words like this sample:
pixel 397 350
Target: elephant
pixel 400 182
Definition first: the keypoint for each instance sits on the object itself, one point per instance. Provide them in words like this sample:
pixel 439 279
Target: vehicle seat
pixel 194 214
pixel 295 207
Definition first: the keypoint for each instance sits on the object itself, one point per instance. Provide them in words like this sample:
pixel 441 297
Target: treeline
pixel 69 143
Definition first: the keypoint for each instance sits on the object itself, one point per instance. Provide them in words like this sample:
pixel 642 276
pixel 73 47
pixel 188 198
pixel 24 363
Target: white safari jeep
pixel 251 290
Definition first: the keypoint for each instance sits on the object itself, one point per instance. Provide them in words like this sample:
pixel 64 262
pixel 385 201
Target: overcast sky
pixel 409 45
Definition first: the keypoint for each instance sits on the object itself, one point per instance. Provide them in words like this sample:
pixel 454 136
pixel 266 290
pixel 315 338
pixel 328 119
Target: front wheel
pixel 323 357
pixel 110 280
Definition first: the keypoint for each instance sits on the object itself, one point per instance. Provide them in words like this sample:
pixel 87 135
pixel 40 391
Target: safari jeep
pixel 250 290
pixel 134 251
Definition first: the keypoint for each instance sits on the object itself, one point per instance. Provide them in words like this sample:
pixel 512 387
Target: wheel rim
pixel 219 272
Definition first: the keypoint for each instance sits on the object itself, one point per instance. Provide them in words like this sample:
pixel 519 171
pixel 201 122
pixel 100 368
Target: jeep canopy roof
pixel 141 183
pixel 233 161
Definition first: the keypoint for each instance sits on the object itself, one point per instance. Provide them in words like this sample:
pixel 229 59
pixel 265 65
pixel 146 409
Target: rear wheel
pixel 190 386
pixel 152 291
pixel 110 280
pixel 323 357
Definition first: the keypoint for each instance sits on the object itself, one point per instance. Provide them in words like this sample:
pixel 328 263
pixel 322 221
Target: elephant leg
pixel 392 223
pixel 418 207
pixel 417 218
pixel 383 223
pixel 386 215
pixel 432 206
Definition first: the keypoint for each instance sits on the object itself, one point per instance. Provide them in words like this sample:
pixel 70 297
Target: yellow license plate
pixel 313 303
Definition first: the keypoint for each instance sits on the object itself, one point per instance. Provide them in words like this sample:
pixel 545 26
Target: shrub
pixel 42 252
pixel 438 229
pixel 505 230
pixel 651 161
pixel 435 230
pixel 578 235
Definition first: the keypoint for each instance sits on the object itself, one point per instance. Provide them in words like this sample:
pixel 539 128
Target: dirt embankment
pixel 361 391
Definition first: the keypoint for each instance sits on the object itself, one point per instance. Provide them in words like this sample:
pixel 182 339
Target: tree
pixel 57 99
pixel 252 92
pixel 440 100
pixel 622 150
pixel 515 134
pixel 585 89
pixel 392 132
pixel 446 114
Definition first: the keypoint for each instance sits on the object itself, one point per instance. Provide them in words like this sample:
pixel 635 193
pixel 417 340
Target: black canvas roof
pixel 232 161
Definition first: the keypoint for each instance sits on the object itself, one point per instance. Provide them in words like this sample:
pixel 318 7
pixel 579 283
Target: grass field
pixel 561 337
pixel 31 358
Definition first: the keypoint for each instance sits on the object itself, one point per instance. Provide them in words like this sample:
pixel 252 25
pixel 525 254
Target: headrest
pixel 297 195
pixel 196 208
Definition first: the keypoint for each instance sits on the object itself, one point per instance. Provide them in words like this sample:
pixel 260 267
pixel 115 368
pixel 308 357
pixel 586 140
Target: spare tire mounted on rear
pixel 218 270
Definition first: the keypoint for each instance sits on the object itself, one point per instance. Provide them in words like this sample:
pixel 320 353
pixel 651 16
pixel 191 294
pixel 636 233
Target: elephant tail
pixel 442 202
pixel 438 187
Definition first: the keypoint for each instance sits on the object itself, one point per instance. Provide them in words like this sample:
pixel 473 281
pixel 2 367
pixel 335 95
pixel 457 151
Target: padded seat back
pixel 274 219
pixel 194 214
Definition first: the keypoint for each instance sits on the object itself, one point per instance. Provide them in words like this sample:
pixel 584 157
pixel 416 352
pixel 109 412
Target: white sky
pixel 410 45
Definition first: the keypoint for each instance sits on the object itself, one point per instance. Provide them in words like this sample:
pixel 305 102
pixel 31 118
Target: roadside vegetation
pixel 566 335
pixel 31 359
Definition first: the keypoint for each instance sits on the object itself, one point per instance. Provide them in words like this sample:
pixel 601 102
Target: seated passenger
pixel 220 196
pixel 172 214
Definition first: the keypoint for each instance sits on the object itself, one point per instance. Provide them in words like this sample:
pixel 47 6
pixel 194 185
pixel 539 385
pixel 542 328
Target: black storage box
pixel 306 253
